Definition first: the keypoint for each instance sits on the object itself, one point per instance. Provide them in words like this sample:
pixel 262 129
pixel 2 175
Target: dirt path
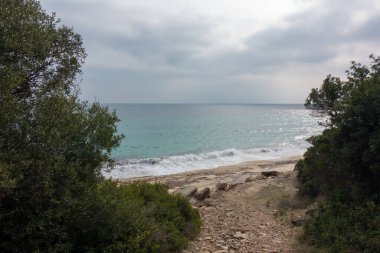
pixel 252 217
pixel 255 213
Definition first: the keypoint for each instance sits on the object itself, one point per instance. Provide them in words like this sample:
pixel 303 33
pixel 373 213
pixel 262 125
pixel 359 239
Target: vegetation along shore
pixel 53 146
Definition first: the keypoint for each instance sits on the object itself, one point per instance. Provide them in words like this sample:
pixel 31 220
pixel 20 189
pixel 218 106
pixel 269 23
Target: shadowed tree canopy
pixel 52 146
pixel 53 197
pixel 37 53
pixel 343 163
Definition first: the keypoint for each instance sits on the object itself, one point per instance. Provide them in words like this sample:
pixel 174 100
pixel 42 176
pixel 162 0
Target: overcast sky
pixel 217 51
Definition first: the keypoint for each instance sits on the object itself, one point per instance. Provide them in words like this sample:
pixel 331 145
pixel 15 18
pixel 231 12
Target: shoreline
pixel 209 177
pixel 175 164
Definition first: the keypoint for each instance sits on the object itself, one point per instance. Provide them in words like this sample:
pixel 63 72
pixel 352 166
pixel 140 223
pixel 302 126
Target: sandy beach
pixel 252 213
pixel 237 173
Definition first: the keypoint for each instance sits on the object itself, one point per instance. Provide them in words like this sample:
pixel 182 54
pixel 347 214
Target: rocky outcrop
pixel 188 191
pixel 221 186
pixel 248 180
pixel 201 195
pixel 271 173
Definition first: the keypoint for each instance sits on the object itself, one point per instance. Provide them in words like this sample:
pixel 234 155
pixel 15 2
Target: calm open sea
pixel 164 139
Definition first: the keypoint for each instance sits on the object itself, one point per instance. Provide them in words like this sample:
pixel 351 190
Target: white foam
pixel 188 162
pixel 301 137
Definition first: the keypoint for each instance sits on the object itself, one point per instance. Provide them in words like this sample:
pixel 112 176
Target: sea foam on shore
pixel 181 163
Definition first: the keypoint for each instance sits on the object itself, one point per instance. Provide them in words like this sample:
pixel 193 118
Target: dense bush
pixel 342 226
pixel 138 217
pixel 53 147
pixel 343 163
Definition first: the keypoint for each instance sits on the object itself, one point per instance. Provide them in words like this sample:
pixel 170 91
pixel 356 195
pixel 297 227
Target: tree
pixel 37 54
pixel 343 163
pixel 53 197
pixel 52 145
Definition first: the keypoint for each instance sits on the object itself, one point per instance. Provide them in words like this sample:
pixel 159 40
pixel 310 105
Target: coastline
pixel 209 177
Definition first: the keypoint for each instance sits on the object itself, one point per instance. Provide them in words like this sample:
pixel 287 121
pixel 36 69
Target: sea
pixel 162 139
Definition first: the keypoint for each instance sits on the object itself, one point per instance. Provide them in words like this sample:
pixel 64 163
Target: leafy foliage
pixel 144 218
pixel 36 52
pixel 342 226
pixel 343 163
pixel 52 149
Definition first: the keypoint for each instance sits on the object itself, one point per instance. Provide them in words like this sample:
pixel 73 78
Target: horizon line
pixel 158 103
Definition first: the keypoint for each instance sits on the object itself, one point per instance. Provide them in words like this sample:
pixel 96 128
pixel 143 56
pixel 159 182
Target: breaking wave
pixel 180 163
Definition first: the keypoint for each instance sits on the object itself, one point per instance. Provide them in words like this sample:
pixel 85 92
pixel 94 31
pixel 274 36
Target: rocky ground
pixel 250 207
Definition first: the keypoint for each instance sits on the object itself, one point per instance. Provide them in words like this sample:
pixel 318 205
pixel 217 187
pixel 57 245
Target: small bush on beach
pixel 343 163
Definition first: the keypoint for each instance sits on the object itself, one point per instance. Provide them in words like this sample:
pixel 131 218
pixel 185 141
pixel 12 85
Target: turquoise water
pixel 164 139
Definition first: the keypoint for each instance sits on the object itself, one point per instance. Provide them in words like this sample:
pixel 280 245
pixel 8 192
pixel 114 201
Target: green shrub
pixel 345 227
pixel 343 163
pixel 137 217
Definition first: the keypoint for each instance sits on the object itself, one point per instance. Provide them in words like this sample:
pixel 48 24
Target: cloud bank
pixel 217 51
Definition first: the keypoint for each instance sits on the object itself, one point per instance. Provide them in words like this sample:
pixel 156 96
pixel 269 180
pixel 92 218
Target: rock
pixel 209 203
pixel 312 210
pixel 262 234
pixel 271 173
pixel 240 235
pixel 297 221
pixel 221 251
pixel 248 179
pixel 193 201
pixel 201 195
pixel 171 191
pixel 239 179
pixel 221 186
pixel 230 186
pixel 261 177
pixel 188 191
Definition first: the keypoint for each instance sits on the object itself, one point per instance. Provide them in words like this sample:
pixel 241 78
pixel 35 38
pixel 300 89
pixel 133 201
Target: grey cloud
pixel 172 44
pixel 310 38
pixel 369 31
